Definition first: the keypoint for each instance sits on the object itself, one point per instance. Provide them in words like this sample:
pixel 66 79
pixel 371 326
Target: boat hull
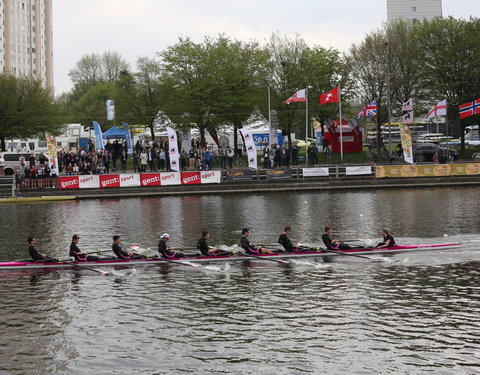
pixel 226 258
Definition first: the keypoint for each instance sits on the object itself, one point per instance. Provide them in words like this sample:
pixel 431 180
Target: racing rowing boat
pixel 233 257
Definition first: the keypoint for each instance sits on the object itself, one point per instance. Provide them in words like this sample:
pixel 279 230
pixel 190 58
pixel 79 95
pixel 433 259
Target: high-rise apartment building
pixel 26 39
pixel 413 10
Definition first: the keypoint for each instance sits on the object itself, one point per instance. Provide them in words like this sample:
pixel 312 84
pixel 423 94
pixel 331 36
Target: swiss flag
pixel 330 96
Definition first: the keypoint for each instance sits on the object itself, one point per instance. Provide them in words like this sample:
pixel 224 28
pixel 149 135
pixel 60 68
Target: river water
pixel 411 313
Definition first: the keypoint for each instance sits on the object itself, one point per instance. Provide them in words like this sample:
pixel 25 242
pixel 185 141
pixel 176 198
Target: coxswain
pixel 122 254
pixel 36 256
pixel 249 247
pixel 165 251
pixel 206 250
pixel 333 244
pixel 388 240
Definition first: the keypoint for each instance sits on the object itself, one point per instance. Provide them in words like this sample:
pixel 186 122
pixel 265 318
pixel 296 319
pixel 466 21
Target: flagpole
pixel 271 136
pixel 306 123
pixel 341 131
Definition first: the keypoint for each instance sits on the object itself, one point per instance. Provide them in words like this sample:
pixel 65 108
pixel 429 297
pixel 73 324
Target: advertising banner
pixel 190 178
pixel 170 178
pixel 173 149
pixel 211 177
pixel 129 180
pixel 238 174
pixel 52 150
pixel 315 172
pixel 150 179
pixel 432 170
pixel 278 174
pixel 356 171
pixel 110 104
pixel 68 182
pixel 109 180
pixel 251 148
pixel 89 181
pixel 406 135
pixel 98 135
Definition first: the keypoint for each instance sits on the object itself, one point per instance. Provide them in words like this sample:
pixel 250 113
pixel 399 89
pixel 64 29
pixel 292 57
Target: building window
pixel 414 9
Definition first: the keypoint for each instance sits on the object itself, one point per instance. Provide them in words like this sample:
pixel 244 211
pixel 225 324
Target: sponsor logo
pixel 151 180
pixel 128 178
pixel 208 175
pixel 86 179
pixel 111 181
pixel 168 177
pixel 187 180
pixel 66 184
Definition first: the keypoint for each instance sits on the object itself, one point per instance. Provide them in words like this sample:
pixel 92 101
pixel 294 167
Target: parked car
pixel 426 152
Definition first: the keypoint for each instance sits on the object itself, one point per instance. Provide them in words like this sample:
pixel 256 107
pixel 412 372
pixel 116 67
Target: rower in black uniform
pixel 36 256
pixel 388 240
pixel 333 244
pixel 165 251
pixel 285 241
pixel 249 247
pixel 77 253
pixel 122 254
pixel 206 250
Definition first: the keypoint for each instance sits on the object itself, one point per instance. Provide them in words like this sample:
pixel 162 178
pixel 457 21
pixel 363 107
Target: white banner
pixel 89 182
pixel 110 109
pixel 170 178
pixel 251 148
pixel 211 177
pixel 315 172
pixel 355 171
pixel 173 149
pixel 128 180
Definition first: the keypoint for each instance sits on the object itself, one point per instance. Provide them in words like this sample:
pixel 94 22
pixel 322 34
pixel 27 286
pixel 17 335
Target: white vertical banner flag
pixel 110 109
pixel 408 105
pixel 251 148
pixel 173 149
pixel 408 118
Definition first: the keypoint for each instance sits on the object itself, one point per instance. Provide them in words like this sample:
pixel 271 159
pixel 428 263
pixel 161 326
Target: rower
pixel 285 241
pixel 36 256
pixel 77 253
pixel 249 247
pixel 206 250
pixel 333 244
pixel 388 240
pixel 122 254
pixel 165 251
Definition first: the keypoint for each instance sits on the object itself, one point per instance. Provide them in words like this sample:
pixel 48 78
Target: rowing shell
pixel 220 258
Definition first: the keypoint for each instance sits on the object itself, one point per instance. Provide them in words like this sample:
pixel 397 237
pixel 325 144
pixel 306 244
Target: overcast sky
pixel 143 27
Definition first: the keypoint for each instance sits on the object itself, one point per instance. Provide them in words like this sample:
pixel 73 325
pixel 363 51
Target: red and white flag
pixel 330 96
pixel 438 110
pixel 299 96
pixel 469 109
pixel 408 105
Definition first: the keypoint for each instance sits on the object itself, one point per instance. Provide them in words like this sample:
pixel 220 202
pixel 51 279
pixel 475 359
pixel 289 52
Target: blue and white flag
pixel 110 109
pixel 98 135
pixel 128 138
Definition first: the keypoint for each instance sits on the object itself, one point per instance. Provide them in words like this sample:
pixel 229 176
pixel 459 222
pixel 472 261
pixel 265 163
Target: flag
pixel 406 136
pixel 299 96
pixel 128 138
pixel 330 96
pixel 438 110
pixel 98 135
pixel 408 118
pixel 110 109
pixel 251 148
pixel 369 110
pixel 469 109
pixel 408 105
pixel 173 149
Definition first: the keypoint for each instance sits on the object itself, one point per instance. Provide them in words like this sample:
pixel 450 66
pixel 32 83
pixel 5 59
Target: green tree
pixel 26 109
pixel 449 63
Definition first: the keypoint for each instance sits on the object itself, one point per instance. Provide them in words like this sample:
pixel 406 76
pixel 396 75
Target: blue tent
pixel 115 132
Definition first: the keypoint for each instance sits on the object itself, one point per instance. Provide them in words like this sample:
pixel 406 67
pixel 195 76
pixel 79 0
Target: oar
pixel 87 268
pixel 347 254
pixel 175 261
pixel 265 258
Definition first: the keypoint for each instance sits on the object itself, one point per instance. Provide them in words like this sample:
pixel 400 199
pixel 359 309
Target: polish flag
pixel 330 96
pixel 299 96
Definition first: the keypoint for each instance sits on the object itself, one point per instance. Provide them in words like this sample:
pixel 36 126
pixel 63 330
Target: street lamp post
pixel 389 104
